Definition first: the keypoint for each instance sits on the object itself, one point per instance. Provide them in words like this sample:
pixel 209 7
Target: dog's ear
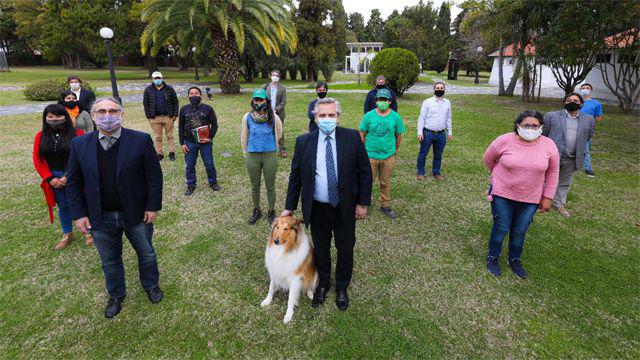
pixel 273 230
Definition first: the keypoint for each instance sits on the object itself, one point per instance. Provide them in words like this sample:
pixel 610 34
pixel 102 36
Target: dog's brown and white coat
pixel 290 262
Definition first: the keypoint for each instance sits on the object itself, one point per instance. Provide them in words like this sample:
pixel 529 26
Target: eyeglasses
pixel 530 127
pixel 108 111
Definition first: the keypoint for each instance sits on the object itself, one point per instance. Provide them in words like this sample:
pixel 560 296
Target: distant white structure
pixel 360 56
pixel 594 77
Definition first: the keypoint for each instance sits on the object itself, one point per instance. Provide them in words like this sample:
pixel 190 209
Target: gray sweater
pixel 84 122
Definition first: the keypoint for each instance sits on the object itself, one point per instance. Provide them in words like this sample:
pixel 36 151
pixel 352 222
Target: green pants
pixel 257 163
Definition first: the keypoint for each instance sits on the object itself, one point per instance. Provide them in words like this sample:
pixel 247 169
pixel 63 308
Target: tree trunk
pixel 293 73
pixel 225 61
pixel 310 71
pixel 151 62
pixel 303 73
pixel 501 91
pixel 514 80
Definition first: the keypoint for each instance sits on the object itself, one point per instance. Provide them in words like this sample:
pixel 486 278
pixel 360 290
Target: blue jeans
pixel 587 158
pixel 438 141
pixel 108 242
pixel 513 217
pixel 206 150
pixel 63 207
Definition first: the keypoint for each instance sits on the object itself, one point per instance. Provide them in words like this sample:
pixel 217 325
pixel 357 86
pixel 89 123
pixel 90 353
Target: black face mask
pixel 381 86
pixel 195 100
pixel 57 125
pixel 439 93
pixel 572 106
pixel 70 104
pixel 322 94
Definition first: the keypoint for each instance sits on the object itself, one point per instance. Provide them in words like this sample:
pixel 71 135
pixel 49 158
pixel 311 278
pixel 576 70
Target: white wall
pixel 595 78
pixel 548 81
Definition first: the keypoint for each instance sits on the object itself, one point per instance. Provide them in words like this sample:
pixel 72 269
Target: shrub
pixel 49 89
pixel 327 69
pixel 400 66
pixel 45 90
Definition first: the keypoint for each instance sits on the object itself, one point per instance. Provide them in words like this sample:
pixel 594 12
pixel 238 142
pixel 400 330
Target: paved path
pixel 182 88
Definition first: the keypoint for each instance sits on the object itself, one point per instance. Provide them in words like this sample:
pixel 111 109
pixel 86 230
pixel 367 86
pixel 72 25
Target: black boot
pixel 114 305
pixel 257 214
pixel 190 190
pixel 155 294
pixel 271 216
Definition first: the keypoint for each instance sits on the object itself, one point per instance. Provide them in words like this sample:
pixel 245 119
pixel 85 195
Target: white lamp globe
pixel 479 49
pixel 106 33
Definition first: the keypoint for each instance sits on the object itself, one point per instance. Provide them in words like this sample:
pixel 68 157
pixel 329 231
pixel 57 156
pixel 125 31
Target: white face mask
pixel 529 134
pixel 275 78
pixel 74 86
pixel 585 92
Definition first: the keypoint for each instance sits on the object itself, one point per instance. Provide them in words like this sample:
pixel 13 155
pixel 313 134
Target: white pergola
pixel 361 52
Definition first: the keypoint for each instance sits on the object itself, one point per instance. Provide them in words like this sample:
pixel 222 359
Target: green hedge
pixel 400 66
pixel 49 89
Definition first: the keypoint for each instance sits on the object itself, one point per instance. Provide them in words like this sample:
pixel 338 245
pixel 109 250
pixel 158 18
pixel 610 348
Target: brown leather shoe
pixel 563 211
pixel 420 177
pixel 438 177
pixel 64 242
pixel 88 239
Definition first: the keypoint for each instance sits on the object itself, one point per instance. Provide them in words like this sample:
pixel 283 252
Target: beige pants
pixel 567 170
pixel 157 124
pixel 382 169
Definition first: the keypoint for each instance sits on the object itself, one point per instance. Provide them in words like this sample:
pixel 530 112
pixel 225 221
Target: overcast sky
pixel 386 7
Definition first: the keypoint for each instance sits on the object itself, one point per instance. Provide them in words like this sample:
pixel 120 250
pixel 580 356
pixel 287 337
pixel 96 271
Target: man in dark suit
pixel 85 97
pixel 331 169
pixel 114 186
pixel 370 100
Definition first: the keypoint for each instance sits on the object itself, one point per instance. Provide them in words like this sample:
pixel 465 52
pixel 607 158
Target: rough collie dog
pixel 290 262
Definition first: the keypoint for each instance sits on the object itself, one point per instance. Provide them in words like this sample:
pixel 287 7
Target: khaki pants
pixel 567 170
pixel 382 169
pixel 157 124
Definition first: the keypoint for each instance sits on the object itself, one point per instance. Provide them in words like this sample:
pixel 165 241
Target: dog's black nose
pixel 277 241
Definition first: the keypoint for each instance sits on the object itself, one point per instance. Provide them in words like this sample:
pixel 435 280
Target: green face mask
pixel 382 105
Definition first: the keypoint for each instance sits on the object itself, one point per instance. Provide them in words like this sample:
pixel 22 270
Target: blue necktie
pixel 332 179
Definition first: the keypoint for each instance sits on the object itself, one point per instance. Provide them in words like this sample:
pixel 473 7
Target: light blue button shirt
pixel 274 92
pixel 321 189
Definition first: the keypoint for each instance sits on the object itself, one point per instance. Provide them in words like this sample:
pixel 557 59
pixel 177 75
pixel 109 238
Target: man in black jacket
pixel 193 118
pixel 370 101
pixel 331 169
pixel 161 108
pixel 114 186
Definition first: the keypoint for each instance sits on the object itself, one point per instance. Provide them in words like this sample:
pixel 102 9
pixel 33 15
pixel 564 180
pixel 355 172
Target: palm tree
pixel 228 22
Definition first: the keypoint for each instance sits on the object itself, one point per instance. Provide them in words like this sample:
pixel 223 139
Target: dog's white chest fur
pixel 282 265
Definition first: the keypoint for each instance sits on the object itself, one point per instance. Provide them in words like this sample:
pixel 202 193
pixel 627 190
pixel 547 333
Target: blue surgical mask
pixel 327 125
pixel 157 82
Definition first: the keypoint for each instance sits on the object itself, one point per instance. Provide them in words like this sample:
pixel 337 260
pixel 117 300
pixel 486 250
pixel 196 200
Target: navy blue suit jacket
pixel 354 173
pixel 138 177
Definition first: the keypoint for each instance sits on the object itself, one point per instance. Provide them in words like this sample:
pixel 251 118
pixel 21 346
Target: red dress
pixel 43 170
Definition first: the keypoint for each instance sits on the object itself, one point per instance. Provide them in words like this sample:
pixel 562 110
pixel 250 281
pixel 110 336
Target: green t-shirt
pixel 380 141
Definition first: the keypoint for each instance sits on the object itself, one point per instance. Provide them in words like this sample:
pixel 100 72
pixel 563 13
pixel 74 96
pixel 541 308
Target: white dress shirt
pixel 77 94
pixel 435 114
pixel 321 188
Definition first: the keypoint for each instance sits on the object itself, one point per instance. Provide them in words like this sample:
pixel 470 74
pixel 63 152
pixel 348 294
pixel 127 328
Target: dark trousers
pixel 513 217
pixel 206 150
pixel 108 242
pixel 438 141
pixel 325 222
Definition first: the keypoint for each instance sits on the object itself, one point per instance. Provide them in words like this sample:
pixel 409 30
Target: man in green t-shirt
pixel 381 131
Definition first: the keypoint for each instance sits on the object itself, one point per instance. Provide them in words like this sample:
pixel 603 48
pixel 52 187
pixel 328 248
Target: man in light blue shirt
pixel 594 108
pixel 321 190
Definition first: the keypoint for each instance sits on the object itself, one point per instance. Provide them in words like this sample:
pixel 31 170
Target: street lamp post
pixel 479 50
pixel 195 63
pixel 107 34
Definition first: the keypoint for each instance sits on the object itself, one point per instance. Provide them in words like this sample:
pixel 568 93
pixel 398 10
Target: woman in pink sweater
pixel 524 175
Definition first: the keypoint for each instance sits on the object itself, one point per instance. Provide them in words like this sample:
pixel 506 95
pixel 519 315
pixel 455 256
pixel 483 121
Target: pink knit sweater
pixel 521 170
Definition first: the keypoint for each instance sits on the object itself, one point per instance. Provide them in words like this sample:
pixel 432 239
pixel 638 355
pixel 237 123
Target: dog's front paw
pixel 266 302
pixel 288 317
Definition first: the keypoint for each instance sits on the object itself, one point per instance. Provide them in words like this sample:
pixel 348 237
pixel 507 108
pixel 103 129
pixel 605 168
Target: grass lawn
pixel 420 288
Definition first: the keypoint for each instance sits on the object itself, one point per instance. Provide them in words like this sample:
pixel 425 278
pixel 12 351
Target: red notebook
pixel 201 133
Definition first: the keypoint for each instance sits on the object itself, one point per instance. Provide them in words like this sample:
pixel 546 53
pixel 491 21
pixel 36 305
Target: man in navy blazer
pixel 115 185
pixel 331 169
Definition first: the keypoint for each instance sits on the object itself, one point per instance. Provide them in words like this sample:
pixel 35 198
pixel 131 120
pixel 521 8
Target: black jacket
pixel 193 117
pixel 370 101
pixel 138 177
pixel 149 101
pixel 86 100
pixel 354 173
